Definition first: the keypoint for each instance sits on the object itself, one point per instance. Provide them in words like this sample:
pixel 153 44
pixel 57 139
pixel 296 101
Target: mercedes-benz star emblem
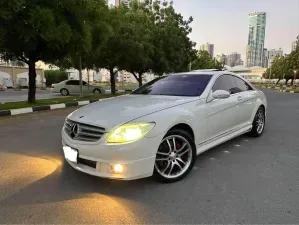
pixel 74 130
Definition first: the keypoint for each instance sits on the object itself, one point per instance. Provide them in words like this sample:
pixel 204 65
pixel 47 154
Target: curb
pixel 12 112
pixel 289 91
pixel 281 90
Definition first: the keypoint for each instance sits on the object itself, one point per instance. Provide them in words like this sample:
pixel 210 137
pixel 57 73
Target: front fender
pixel 167 119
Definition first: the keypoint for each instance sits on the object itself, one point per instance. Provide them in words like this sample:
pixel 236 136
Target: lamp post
pixel 295 72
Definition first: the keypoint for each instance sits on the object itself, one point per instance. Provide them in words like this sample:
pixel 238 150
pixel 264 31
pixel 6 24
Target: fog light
pixel 117 168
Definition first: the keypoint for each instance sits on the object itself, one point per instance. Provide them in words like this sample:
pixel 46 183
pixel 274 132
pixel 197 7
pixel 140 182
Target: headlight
pixel 129 132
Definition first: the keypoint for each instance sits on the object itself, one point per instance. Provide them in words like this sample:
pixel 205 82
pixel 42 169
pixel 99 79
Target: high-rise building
pixel 232 58
pixel 239 62
pixel 256 39
pixel 221 58
pixel 269 56
pixel 209 48
pixel 118 2
pixel 294 45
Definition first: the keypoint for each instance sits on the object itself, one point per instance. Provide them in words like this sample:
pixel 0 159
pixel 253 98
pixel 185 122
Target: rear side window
pixel 72 82
pixel 242 85
pixel 225 82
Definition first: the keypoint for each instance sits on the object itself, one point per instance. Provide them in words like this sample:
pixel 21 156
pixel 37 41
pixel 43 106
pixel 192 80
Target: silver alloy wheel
pixel 260 122
pixel 97 91
pixel 64 92
pixel 174 156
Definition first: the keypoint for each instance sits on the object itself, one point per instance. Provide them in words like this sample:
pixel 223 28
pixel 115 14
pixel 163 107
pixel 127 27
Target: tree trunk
pixel 32 82
pixel 292 81
pixel 112 81
pixel 286 81
pixel 140 79
pixel 277 82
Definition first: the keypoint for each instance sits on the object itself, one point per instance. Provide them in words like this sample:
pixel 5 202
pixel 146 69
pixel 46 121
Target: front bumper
pixel 97 159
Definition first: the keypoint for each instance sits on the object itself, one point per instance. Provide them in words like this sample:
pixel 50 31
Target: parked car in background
pixel 3 88
pixel 161 127
pixel 67 87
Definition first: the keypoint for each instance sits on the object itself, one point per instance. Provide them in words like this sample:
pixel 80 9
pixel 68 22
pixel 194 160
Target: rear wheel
pixel 175 157
pixel 64 92
pixel 97 91
pixel 258 124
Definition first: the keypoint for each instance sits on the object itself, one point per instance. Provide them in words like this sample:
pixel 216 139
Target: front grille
pixel 83 132
pixel 86 162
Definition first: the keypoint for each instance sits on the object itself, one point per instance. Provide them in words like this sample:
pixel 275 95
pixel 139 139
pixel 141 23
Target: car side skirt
pixel 222 138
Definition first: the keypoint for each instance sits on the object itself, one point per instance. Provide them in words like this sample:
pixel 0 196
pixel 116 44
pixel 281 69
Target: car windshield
pixel 176 85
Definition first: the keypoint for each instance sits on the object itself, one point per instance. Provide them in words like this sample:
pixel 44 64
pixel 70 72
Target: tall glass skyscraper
pixel 256 39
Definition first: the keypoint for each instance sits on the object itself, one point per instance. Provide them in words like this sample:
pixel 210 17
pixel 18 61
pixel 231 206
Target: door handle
pixel 240 98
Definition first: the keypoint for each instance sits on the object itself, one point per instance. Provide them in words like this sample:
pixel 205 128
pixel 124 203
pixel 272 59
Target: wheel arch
pixel 185 127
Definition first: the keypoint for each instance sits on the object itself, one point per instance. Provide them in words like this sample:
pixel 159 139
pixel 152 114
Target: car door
pixel 221 113
pixel 246 101
pixel 75 87
pixel 85 87
pixel 69 85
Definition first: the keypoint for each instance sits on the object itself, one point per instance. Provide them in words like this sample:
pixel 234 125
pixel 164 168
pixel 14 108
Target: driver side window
pixel 225 82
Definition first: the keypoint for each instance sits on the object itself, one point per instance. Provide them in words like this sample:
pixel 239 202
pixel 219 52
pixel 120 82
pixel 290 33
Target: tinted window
pixel 242 85
pixel 72 82
pixel 176 85
pixel 225 82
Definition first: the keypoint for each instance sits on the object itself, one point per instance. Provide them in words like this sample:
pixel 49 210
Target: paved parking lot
pixel 243 181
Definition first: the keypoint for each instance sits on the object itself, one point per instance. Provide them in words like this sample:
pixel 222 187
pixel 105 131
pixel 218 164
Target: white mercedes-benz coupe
pixel 161 127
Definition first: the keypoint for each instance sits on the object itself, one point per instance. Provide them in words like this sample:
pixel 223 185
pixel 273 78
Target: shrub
pixel 55 76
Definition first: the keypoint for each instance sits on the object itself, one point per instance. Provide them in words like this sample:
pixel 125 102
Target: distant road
pixel 14 96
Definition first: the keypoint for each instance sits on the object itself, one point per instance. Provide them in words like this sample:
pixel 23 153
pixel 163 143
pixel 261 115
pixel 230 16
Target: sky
pixel 224 23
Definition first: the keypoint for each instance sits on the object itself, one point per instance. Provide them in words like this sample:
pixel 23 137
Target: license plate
pixel 70 154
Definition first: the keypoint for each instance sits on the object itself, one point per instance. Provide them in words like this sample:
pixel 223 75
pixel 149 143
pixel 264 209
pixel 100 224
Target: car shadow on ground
pixel 65 183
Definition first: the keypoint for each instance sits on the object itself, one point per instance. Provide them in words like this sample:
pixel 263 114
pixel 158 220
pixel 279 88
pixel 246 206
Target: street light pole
pixel 270 72
pixel 295 71
pixel 80 76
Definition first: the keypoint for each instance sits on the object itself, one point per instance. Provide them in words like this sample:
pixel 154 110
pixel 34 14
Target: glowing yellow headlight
pixel 129 132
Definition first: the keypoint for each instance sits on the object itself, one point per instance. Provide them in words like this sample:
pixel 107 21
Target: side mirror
pixel 221 94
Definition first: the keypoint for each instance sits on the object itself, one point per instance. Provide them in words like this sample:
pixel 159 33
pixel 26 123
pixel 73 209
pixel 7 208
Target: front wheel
pixel 175 157
pixel 258 124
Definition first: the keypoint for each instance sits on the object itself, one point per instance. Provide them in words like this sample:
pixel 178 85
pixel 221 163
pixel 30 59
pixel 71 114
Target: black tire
pixel 96 91
pixel 64 92
pixel 256 131
pixel 178 133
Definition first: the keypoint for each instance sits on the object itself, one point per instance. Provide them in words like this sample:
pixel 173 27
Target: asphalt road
pixel 243 181
pixel 11 95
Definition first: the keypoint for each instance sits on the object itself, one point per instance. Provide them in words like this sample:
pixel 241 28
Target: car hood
pixel 111 112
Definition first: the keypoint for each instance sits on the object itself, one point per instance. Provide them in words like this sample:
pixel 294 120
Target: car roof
pixel 203 72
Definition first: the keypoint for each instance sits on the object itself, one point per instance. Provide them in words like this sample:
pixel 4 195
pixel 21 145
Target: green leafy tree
pixel 44 30
pixel 173 48
pixel 139 41
pixel 55 76
pixel 111 54
pixel 294 60
pixel 283 67
pixel 204 60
